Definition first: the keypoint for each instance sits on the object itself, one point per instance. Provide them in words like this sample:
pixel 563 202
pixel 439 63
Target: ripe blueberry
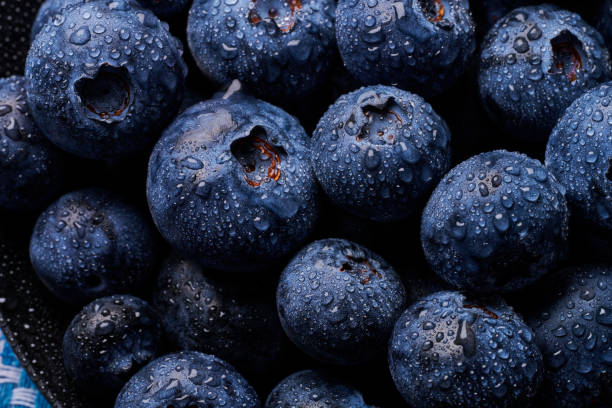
pixel 496 222
pixel 379 150
pixel 90 243
pixel 450 351
pixel 230 184
pixel 338 301
pixel 103 77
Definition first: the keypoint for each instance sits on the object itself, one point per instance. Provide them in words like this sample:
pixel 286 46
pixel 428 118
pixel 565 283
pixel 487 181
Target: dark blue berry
pixel 573 330
pixel 338 301
pixel 579 154
pixel 421 45
pixel 230 184
pixel 202 313
pixel 188 380
pixel 90 243
pixel 280 49
pixel 496 222
pixel 48 10
pixel 535 61
pixel 103 78
pixel 450 351
pixel 310 388
pixel 379 150
pixel 110 340
pixel 31 168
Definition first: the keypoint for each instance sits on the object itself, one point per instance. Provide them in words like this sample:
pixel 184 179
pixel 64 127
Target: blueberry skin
pixel 578 154
pixel 420 45
pixel 109 341
pixel 573 330
pixel 90 243
pixel 31 168
pixel 49 9
pixel 450 351
pixel 203 314
pixel 104 86
pixel 496 222
pixel 165 9
pixel 230 184
pixel 312 389
pixel 604 23
pixel 338 301
pixel 188 380
pixel 379 150
pixel 535 62
pixel 280 50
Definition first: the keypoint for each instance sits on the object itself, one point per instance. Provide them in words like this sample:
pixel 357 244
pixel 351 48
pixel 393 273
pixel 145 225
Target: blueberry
pixel 110 340
pixel 573 329
pixel 205 314
pixel 379 150
pixel 535 61
pixel 31 168
pixel 421 45
pixel 338 301
pixel 187 380
pixel 48 10
pixel 310 388
pixel 279 49
pixel 230 184
pixel 103 78
pixel 496 222
pixel 450 351
pixel 166 9
pixel 488 12
pixel 90 243
pixel 579 154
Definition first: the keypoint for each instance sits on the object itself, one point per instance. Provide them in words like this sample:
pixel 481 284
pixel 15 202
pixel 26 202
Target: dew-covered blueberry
pixel 188 380
pixel 109 341
pixel 573 330
pixel 379 150
pixel 48 10
pixel 230 184
pixel 91 243
pixel 31 169
pixel 201 313
pixel 448 350
pixel 535 62
pixel 496 222
pixel 579 154
pixel 103 78
pixel 420 45
pixel 279 49
pixel 338 301
pixel 314 389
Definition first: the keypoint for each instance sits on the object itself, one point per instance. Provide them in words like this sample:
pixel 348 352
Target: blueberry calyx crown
pixel 276 14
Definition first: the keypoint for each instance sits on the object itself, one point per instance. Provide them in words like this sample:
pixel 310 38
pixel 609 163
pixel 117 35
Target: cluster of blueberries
pixel 236 188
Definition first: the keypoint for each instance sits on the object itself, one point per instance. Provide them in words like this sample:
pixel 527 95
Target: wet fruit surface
pixel 578 154
pixel 420 45
pixel 496 222
pixel 230 184
pixel 337 301
pixel 103 77
pixel 535 62
pixel 379 151
pixel 109 341
pixel 449 350
pixel 573 329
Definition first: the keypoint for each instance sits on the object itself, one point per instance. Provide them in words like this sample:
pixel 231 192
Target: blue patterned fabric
pixel 16 388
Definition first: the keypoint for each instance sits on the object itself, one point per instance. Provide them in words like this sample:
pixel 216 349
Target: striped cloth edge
pixel 16 388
